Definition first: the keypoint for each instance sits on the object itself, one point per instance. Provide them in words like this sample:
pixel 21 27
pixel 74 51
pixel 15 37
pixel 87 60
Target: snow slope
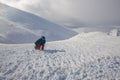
pixel 23 27
pixel 11 32
pixel 87 56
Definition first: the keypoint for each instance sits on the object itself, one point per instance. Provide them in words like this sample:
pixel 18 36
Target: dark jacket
pixel 40 41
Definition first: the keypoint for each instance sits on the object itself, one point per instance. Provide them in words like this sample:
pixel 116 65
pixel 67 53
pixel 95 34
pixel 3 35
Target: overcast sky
pixel 72 12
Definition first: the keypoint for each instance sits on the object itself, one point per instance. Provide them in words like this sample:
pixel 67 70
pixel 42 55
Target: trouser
pixel 40 47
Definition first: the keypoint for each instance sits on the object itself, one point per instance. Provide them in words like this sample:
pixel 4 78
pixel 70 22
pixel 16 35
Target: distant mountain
pixel 22 27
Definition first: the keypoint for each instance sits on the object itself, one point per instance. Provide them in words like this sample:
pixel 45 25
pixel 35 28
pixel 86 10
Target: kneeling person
pixel 40 43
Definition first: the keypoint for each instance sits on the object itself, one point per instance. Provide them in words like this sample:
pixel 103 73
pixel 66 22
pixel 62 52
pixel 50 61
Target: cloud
pixel 69 11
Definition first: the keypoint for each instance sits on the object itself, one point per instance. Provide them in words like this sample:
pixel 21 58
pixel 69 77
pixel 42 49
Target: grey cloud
pixel 69 11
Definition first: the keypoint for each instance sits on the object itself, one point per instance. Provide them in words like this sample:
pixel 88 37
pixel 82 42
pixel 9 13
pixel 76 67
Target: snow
pixel 90 28
pixel 29 27
pixel 87 56
pixel 115 32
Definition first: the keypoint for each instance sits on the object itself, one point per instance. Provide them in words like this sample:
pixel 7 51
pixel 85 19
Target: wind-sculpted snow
pixel 88 56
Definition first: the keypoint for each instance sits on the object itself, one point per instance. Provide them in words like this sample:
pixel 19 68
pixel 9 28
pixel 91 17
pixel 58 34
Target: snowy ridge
pixel 29 27
pixel 87 56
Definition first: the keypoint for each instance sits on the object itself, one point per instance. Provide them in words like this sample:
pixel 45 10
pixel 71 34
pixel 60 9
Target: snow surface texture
pixel 28 27
pixel 88 56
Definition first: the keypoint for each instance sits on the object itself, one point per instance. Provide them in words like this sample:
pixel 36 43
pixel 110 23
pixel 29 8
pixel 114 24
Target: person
pixel 40 43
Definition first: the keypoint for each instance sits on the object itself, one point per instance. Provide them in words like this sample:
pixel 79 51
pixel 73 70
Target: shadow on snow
pixel 54 51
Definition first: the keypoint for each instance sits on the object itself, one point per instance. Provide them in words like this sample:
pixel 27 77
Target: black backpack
pixel 37 42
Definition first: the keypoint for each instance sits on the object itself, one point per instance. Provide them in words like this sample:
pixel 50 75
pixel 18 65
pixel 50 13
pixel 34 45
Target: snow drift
pixel 87 56
pixel 23 27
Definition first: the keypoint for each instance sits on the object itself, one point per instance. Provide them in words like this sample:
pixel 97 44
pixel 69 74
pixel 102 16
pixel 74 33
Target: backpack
pixel 37 42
